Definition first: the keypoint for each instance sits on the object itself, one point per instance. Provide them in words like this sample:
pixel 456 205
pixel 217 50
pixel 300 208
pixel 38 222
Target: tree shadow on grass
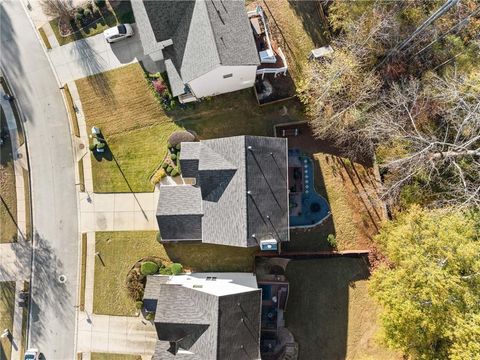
pixel 318 304
pixel 310 13
pixel 93 63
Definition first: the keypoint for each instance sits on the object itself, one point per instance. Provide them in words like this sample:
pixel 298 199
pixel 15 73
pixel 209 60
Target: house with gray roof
pixel 203 316
pixel 239 195
pixel 206 46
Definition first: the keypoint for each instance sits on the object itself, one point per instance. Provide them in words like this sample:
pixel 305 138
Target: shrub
pixel 78 16
pixel 332 241
pixel 148 268
pixel 135 285
pixel 92 147
pixel 173 269
pixel 150 316
pixel 159 175
pixel 138 304
pixel 87 12
pixel 176 268
pixel 178 146
pixel 80 10
pixel 169 169
pixel 159 86
pixel 173 156
pixel 174 173
pixel 164 165
pixel 180 136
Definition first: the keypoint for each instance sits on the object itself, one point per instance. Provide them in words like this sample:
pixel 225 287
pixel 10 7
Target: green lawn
pixel 111 356
pixel 330 312
pixel 134 125
pixel 7 304
pixel 112 16
pixel 137 128
pixel 8 198
pixel 237 113
pixel 120 250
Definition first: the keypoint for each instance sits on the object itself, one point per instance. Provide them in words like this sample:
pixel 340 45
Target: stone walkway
pixel 15 258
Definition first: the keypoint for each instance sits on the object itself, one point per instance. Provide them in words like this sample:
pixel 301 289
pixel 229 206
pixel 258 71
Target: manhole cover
pixel 81 146
pixel 62 279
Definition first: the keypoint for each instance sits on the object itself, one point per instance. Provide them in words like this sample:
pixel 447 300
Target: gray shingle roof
pixel 227 170
pixel 176 83
pixel 232 32
pixel 179 212
pixel 209 326
pixel 180 200
pixel 205 34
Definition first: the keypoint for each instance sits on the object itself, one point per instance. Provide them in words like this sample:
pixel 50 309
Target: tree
pixel 341 91
pixel 63 9
pixel 433 126
pixel 429 291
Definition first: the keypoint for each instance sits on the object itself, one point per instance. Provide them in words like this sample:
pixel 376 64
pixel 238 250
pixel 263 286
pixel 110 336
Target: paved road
pixel 53 184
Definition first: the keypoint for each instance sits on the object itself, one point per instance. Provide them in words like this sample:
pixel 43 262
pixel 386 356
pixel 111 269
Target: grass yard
pixel 111 356
pixel 44 38
pixel 297 27
pixel 236 114
pixel 135 126
pixel 357 213
pixel 8 198
pixel 7 304
pixel 116 12
pixel 330 312
pixel 120 250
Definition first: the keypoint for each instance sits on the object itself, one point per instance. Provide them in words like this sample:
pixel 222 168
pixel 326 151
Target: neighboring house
pixel 205 316
pixel 239 197
pixel 207 46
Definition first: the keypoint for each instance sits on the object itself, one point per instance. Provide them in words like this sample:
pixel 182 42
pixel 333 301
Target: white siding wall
pixel 213 82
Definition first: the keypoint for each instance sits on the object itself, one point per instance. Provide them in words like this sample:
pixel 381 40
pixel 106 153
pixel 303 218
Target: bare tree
pixel 433 130
pixel 63 9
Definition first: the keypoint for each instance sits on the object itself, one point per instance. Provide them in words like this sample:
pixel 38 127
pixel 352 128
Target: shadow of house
pixel 318 304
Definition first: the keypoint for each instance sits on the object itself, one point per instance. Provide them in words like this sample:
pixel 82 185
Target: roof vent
pixel 250 147
pixel 249 192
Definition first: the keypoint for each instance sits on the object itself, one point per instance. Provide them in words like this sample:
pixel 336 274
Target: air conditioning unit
pixel 269 245
pixel 267 57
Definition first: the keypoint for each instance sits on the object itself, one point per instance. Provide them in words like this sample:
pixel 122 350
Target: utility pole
pixel 437 14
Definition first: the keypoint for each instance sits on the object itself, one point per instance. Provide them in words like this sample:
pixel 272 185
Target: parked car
pixel 118 33
pixel 32 354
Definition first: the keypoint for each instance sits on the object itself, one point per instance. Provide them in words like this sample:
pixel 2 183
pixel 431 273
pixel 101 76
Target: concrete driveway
pixel 93 55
